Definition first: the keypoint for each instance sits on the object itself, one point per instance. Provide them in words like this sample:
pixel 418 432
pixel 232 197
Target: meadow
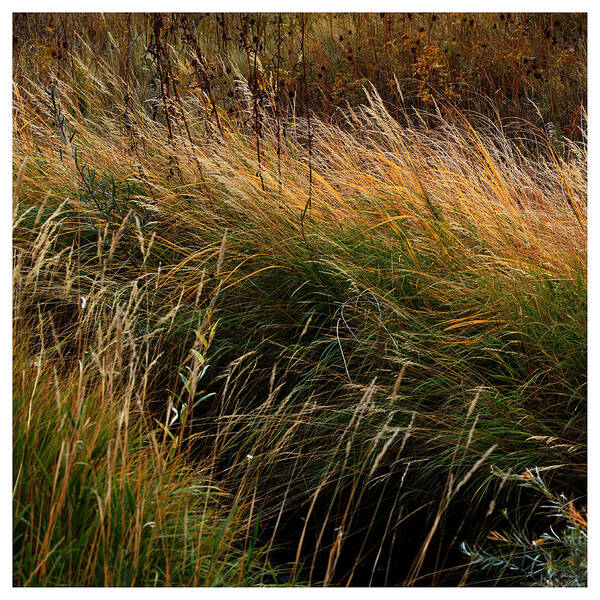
pixel 299 300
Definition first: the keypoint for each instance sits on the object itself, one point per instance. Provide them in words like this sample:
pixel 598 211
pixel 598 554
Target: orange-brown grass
pixel 334 328
pixel 104 491
pixel 532 65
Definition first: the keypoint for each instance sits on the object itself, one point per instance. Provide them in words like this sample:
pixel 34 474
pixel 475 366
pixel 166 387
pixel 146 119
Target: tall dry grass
pixel 295 347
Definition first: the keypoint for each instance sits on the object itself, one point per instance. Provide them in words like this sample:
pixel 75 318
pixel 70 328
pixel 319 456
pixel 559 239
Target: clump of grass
pixel 320 334
pixel 104 492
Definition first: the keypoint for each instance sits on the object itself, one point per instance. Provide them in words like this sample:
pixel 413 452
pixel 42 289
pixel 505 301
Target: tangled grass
pixel 265 348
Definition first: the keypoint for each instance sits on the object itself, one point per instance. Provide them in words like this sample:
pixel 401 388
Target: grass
pixel 277 349
pixel 534 66
pixel 104 493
